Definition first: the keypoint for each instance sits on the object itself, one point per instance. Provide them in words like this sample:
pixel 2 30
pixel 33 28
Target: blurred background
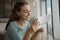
pixel 47 10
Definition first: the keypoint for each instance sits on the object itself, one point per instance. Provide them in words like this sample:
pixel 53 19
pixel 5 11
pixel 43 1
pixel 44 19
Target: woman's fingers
pixel 41 30
pixel 35 26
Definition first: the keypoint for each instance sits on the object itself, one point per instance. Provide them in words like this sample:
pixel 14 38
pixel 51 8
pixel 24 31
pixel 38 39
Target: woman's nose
pixel 29 13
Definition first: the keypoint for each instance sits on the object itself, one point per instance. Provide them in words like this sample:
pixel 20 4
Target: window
pixel 50 31
pixel 59 10
pixel 6 7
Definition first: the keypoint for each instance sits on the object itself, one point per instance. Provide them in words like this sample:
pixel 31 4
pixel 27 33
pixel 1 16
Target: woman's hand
pixel 40 30
pixel 36 26
pixel 32 30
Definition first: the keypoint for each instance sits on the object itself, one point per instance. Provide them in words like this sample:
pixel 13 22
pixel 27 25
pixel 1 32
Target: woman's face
pixel 25 12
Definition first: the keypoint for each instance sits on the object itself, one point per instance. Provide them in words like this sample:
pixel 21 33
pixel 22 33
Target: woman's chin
pixel 26 19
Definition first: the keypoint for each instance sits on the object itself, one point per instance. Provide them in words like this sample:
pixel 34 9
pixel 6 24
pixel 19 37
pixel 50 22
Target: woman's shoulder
pixel 13 23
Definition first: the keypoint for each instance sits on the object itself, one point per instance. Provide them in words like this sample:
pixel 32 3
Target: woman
pixel 18 27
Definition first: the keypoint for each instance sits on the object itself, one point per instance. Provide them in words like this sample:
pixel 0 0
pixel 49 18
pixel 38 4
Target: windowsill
pixel 4 20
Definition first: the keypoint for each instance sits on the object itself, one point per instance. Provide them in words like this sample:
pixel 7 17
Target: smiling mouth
pixel 27 16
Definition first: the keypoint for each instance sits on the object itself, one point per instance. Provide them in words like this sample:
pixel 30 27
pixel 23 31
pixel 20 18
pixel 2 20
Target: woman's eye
pixel 25 12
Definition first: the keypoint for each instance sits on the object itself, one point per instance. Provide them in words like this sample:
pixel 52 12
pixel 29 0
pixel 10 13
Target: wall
pixel 33 5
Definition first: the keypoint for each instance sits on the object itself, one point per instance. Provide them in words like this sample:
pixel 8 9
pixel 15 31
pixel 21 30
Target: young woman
pixel 18 27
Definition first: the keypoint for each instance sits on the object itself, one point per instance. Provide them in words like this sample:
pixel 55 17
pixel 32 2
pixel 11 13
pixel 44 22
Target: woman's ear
pixel 18 13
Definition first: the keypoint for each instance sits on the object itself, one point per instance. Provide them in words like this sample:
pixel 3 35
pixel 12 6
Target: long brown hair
pixel 14 16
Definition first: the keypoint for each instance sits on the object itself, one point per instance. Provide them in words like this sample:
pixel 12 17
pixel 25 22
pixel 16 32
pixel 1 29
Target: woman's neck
pixel 21 23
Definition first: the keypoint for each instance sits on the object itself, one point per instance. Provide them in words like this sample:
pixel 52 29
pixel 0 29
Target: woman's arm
pixel 32 32
pixel 36 33
pixel 29 34
pixel 12 32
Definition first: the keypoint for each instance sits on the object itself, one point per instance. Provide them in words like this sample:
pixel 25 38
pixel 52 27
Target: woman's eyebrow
pixel 25 10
